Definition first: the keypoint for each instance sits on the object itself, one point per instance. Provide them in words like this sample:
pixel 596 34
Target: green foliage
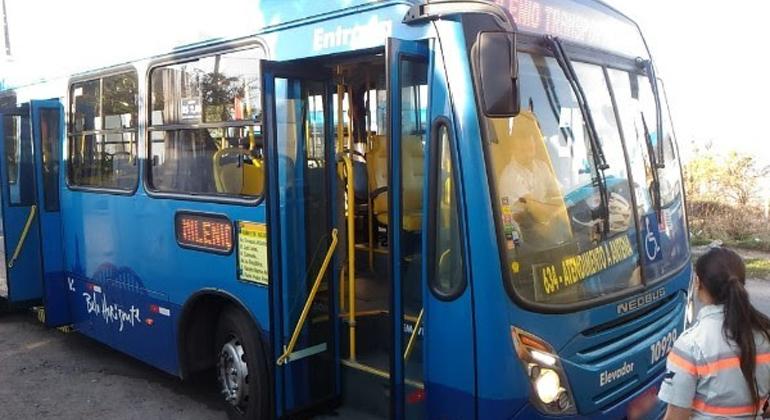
pixel 757 268
pixel 731 179
pixel 724 200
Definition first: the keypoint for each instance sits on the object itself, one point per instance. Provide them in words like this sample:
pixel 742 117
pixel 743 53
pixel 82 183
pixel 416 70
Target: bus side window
pixel 18 155
pixel 448 279
pixel 205 133
pixel 103 124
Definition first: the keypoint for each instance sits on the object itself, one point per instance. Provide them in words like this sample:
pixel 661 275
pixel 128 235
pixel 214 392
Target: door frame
pixel 270 70
pixel 57 311
pixel 422 51
pixel 29 253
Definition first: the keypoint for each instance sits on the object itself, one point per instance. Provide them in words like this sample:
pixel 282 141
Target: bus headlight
pixel 548 383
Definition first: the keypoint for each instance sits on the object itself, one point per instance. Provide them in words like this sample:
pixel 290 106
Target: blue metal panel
pixel 342 34
pixel 24 274
pixel 126 246
pixel 449 392
pixel 281 12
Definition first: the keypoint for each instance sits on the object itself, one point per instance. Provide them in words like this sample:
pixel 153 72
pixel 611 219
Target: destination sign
pixel 205 232
pixel 575 268
pixel 594 25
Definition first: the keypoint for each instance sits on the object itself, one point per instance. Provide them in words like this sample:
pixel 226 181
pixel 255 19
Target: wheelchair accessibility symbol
pixel 652 239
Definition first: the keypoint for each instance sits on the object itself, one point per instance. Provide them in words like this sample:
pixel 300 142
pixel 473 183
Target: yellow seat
pixel 510 138
pixel 412 180
pixel 237 172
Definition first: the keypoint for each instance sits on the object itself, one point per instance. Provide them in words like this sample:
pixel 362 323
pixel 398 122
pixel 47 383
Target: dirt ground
pixel 47 374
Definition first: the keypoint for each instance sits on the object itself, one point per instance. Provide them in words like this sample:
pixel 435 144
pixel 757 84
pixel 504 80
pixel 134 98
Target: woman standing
pixel 720 367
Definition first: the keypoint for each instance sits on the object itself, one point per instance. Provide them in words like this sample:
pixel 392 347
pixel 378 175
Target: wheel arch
pixel 202 310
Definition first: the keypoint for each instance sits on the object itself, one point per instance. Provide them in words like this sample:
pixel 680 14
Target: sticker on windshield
pixel 651 232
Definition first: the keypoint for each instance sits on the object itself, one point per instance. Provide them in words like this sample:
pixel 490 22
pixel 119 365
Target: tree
pixel 740 178
pixel 733 179
pixel 702 175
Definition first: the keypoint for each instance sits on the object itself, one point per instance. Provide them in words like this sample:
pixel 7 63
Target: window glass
pixel 85 111
pixel 103 161
pixel 49 135
pixel 119 101
pixel 102 138
pixel 205 136
pixel 449 275
pixel 670 176
pixel 550 193
pixel 413 78
pixel 207 161
pixel 18 160
pixel 214 89
pixel 12 136
pixel 663 235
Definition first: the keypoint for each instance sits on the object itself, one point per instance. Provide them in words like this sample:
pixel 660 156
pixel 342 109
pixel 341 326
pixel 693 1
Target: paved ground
pixel 46 374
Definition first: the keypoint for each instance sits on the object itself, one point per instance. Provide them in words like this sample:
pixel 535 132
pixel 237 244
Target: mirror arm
pixel 439 9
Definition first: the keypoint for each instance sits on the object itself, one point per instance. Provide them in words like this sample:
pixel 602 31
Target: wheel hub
pixel 233 372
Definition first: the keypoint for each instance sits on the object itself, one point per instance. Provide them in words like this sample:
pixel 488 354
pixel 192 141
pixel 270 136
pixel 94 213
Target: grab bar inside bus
pixel 288 349
pixel 23 238
pixel 351 255
pixel 413 336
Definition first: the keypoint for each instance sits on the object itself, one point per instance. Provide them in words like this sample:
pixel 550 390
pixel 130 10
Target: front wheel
pixel 241 367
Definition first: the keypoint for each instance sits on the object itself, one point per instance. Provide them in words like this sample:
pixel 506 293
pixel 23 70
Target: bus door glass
pixel 22 280
pixel 408 66
pixel 47 129
pixel 300 156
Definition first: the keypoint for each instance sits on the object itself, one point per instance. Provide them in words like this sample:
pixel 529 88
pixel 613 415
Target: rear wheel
pixel 241 367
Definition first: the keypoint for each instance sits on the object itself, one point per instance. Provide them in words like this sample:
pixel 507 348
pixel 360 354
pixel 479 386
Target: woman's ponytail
pixel 723 274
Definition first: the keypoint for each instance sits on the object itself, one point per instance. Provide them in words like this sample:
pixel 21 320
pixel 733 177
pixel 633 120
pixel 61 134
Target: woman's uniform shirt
pixel 704 371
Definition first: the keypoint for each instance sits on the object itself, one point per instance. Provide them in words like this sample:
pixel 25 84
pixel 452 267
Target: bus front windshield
pixel 568 227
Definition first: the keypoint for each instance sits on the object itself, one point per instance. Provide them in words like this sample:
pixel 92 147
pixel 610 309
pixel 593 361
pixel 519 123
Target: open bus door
pixel 301 236
pixel 22 282
pixel 408 72
pixel 432 368
pixel 47 130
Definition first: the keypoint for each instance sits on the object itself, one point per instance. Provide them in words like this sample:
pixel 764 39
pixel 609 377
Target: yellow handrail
pixel 351 255
pixel 287 350
pixel 410 344
pixel 23 238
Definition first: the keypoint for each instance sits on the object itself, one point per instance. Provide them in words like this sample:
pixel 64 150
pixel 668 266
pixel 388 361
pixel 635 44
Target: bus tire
pixel 241 367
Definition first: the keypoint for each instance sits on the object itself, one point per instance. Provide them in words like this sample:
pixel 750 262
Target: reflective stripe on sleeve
pixel 728 363
pixel 744 410
pixel 682 363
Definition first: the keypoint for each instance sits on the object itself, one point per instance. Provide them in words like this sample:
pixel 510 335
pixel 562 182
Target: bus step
pixel 39 313
pixel 365 392
pixel 66 329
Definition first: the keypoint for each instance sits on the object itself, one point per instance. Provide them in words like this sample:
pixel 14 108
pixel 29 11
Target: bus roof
pixel 588 22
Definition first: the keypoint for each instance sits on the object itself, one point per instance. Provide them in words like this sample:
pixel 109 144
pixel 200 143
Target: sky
pixel 710 53
pixel 713 58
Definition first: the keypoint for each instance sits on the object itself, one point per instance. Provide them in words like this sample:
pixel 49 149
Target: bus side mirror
pixel 497 70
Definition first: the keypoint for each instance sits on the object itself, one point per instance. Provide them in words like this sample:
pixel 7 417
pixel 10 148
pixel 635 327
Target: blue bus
pixel 449 209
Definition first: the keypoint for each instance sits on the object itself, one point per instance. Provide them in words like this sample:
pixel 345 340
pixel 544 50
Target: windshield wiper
pixel 656 200
pixel 660 160
pixel 596 147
